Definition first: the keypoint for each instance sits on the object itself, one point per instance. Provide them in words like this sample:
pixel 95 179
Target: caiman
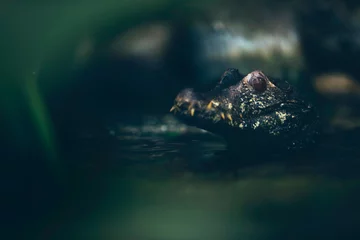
pixel 251 112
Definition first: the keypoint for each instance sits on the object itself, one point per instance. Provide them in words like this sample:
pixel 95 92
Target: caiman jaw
pixel 187 102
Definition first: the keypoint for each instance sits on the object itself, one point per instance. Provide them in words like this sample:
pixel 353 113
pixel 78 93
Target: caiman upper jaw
pixel 196 109
pixel 187 101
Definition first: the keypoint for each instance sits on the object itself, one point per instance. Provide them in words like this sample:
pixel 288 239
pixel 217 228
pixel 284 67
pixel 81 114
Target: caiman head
pixel 250 111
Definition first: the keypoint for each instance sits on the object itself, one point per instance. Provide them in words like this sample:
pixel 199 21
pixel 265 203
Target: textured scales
pixel 250 112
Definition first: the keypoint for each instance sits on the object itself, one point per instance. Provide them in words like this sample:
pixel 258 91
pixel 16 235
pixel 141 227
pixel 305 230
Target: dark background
pixel 86 89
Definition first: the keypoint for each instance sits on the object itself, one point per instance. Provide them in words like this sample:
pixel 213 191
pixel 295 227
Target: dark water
pixel 162 180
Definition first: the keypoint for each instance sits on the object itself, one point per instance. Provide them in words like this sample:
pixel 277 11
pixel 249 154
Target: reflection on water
pixel 176 182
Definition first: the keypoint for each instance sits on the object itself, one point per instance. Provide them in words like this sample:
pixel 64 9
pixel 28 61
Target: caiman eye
pixel 258 83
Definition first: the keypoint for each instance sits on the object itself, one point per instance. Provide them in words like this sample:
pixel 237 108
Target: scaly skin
pixel 252 112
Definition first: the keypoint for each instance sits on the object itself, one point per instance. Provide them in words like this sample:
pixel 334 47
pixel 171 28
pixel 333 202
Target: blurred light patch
pixel 231 41
pixel 336 84
pixel 272 48
pixel 147 42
